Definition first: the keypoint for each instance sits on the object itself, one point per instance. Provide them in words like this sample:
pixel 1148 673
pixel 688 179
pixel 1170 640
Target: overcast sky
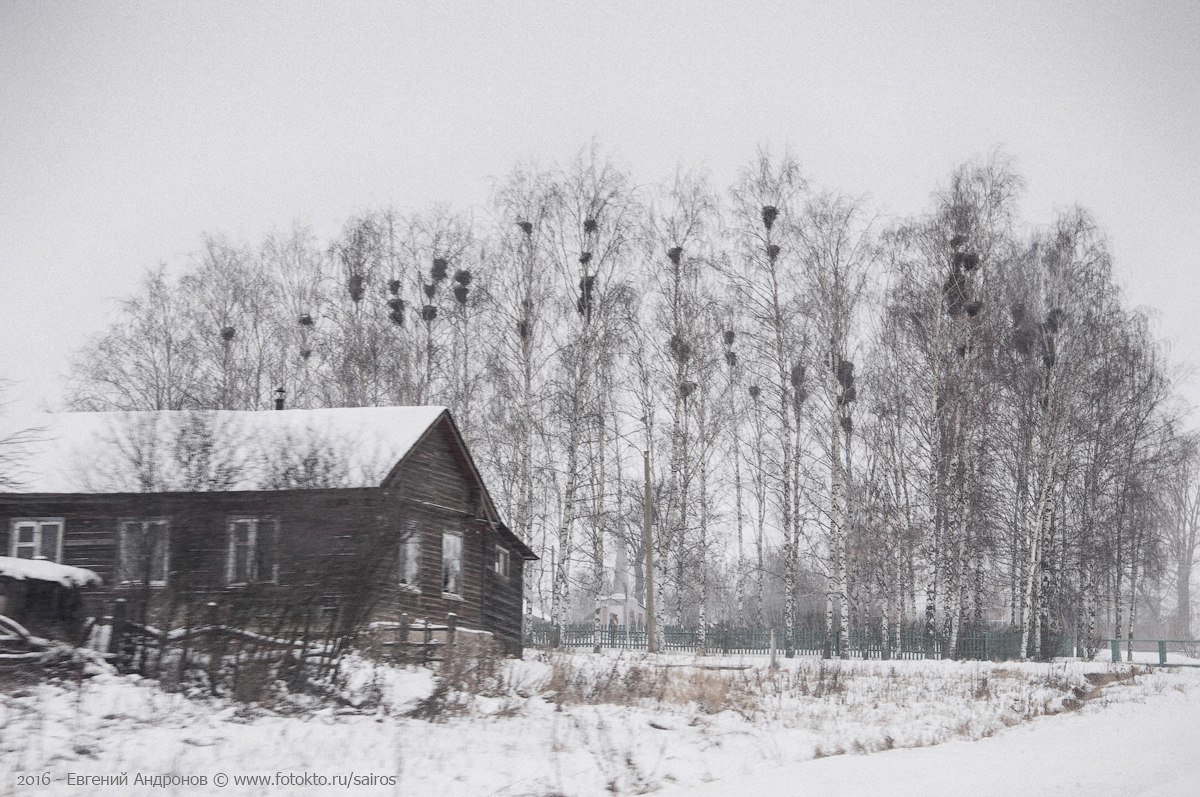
pixel 127 130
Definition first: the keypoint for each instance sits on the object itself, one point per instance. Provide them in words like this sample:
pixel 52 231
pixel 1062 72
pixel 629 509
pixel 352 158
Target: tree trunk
pixel 702 608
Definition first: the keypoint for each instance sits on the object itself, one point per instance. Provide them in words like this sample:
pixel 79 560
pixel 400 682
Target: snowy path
pixel 1149 747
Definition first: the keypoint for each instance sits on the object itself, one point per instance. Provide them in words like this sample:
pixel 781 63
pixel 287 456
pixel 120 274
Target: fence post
pixel 214 644
pixel 426 642
pixel 210 614
pixel 116 632
pixel 181 665
pixel 1115 647
pixel 402 639
pixel 1162 651
pixel 451 627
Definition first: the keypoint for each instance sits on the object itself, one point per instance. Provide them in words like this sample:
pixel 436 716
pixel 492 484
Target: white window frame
pixel 458 536
pixel 502 563
pixel 38 523
pixel 256 522
pixel 410 559
pixel 166 553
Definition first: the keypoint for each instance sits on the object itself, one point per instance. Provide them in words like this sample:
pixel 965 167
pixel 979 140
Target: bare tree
pixel 145 360
pixel 764 276
pixel 1181 516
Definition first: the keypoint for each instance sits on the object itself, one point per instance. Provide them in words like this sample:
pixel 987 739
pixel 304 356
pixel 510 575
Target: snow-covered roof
pixel 209 450
pixel 45 570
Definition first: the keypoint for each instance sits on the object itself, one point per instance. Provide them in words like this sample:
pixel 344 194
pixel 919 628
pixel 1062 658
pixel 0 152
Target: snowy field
pixel 589 725
pixel 1136 739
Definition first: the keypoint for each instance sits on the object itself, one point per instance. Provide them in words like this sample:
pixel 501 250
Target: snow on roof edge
pixel 45 570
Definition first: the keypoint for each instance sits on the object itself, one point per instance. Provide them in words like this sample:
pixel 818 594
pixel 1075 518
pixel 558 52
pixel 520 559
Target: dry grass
pixel 638 683
pixel 472 667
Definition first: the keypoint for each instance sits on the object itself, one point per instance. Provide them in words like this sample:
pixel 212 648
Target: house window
pixel 250 555
pixel 410 558
pixel 37 538
pixel 142 552
pixel 452 564
pixel 501 564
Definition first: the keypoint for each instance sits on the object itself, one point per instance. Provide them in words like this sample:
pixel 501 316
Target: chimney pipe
pixel 279 394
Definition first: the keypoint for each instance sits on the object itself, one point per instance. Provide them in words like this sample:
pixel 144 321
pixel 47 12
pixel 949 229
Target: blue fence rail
pixel 995 645
pixel 1162 652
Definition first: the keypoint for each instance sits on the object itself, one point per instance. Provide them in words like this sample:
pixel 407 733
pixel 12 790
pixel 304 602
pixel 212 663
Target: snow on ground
pixel 573 724
pixel 1138 739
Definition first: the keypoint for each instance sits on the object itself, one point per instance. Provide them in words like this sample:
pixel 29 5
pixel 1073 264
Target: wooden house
pixel 283 519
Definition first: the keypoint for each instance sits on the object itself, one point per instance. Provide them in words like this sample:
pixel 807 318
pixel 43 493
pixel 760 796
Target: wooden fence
pixel 133 645
pixel 417 641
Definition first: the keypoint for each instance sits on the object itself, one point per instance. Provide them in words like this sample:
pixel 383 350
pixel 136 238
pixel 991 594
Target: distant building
pixel 620 607
pixel 344 516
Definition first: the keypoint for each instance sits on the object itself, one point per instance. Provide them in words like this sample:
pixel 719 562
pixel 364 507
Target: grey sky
pixel 127 130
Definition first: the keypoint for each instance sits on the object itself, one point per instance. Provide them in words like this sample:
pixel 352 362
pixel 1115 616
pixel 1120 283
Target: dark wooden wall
pixel 502 605
pixel 336 546
pixel 437 489
pixel 324 546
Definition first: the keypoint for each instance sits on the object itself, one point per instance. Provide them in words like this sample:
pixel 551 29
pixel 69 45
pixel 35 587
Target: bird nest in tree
pixel 769 214
pixel 967 261
pixel 680 348
pixel 439 269
pixel 587 286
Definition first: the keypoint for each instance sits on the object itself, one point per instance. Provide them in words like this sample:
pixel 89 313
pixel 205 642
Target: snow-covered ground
pixel 1136 740
pixel 590 725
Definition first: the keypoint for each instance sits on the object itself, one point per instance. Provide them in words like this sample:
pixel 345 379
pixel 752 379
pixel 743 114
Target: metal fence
pixel 1162 652
pixel 996 645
